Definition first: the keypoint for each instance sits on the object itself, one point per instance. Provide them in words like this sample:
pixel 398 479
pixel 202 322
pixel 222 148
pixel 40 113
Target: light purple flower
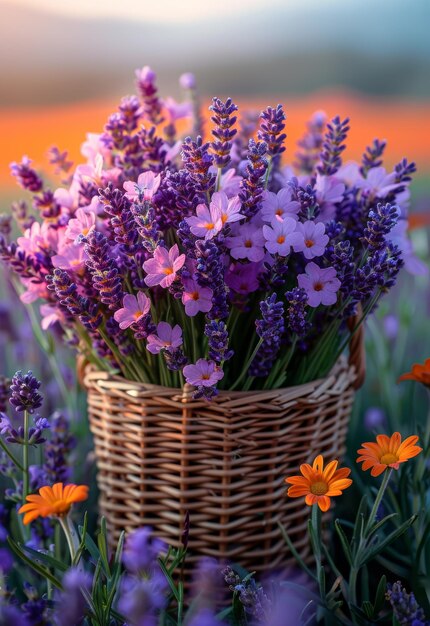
pixel 399 236
pixel 329 191
pixel 203 224
pixel 225 210
pixel 279 205
pixel 167 338
pixel 133 309
pixel 40 237
pixel 243 277
pixel 81 224
pixel 163 267
pixel 196 298
pixel 146 75
pixel 281 236
pixel 177 110
pixel 147 184
pixel 314 240
pixel 71 603
pixel 247 243
pixel 203 373
pixel 230 182
pixel 50 315
pixel 378 182
pixel 391 326
pixel 374 418
pixel 321 285
pixel 71 258
pixel 187 81
pixel 141 550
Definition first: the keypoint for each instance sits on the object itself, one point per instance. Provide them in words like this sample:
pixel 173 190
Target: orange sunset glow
pixel 404 124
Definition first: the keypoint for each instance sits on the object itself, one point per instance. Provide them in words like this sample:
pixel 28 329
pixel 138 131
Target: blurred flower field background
pixel 65 71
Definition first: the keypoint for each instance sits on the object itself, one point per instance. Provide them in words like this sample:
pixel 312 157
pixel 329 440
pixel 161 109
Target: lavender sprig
pixel 197 161
pixel 373 156
pixel 252 184
pixel 223 132
pixel 105 276
pixel 26 176
pixel 24 394
pixel 380 222
pixel 333 146
pixel 270 328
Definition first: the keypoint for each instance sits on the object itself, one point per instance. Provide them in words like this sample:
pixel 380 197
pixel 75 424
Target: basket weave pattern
pixel 160 454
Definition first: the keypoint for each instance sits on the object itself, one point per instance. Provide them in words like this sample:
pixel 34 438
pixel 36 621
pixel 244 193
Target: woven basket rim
pixel 93 376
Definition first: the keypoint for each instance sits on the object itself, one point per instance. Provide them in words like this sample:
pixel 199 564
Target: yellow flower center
pixel 281 239
pixel 85 231
pixel 224 218
pixel 168 270
pixel 279 212
pixel 309 243
pixel 319 488
pixel 137 314
pixel 209 225
pixel 388 458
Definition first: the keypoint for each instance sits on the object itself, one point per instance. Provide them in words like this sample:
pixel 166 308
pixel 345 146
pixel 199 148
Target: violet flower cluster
pixel 207 260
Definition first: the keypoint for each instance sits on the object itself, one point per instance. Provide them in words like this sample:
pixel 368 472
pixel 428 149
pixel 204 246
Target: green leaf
pixel 46 559
pixel 169 579
pixel 344 541
pixel 367 608
pixel 294 552
pixel 92 548
pixel 370 553
pixel 40 569
pixel 380 595
pixel 381 522
pixel 103 547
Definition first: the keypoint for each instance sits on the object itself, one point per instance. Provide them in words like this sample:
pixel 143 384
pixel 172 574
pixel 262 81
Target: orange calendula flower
pixel 317 484
pixel 387 452
pixel 420 372
pixel 53 501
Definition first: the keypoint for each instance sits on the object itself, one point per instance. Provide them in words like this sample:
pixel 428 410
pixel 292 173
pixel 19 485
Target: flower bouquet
pixel 209 266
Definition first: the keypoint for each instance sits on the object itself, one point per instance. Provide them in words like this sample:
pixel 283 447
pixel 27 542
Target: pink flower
pixel 279 205
pixel 146 75
pixel 161 270
pixel 133 309
pixel 171 152
pixel 225 210
pixel 35 290
pixel 281 236
pixel 314 240
pixel 82 224
pixel 230 182
pixel 167 338
pixel 178 110
pixel 93 147
pixel 243 277
pixel 147 184
pixel 196 298
pixel 50 315
pixel 40 238
pixel 71 258
pixel 378 182
pixel 203 373
pixel 187 81
pixel 204 224
pixel 320 284
pixel 329 191
pixel 248 243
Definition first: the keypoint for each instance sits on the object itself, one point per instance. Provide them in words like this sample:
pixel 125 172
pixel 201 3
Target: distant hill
pixel 378 47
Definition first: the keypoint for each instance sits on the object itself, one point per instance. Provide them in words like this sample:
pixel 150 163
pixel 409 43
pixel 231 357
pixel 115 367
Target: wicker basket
pixel 160 454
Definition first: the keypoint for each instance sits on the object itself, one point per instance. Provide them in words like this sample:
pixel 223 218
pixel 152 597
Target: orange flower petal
pixel 318 463
pixel 378 469
pixel 324 503
pixel 330 470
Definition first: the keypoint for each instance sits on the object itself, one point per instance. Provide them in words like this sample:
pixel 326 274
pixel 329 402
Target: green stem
pixel 69 538
pixel 352 586
pixel 248 363
pixel 11 455
pixel 218 179
pixel 378 500
pixel 25 474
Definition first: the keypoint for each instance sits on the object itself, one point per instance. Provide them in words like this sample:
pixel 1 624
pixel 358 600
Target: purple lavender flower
pixel 197 162
pixel 380 222
pixel 223 132
pixel 14 434
pixel 187 81
pixel 141 600
pixel 47 205
pixel 6 562
pixel 282 235
pixel 175 359
pixel 373 156
pixel 104 273
pixel 10 614
pixel 210 273
pixel 248 241
pixel 252 184
pixel 333 146
pixel 311 143
pixel 131 112
pixel 217 335
pixel 20 213
pixel 391 326
pixel 57 450
pixel 71 605
pixel 195 298
pixel 297 300
pixel 5 225
pixel 59 160
pixel 405 607
pixel 203 373
pixel 314 240
pixel 23 392
pixel 374 418
pixel 279 205
pixel 36 607
pixel 270 328
pixel 134 308
pixel 141 551
pixel 145 82
pixel 122 221
pixel 26 176
pixel 67 293
pixel 404 171
pixel 4 393
pixel 271 127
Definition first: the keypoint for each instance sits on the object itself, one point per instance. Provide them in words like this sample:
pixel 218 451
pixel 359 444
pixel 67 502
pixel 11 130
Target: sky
pixel 166 10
